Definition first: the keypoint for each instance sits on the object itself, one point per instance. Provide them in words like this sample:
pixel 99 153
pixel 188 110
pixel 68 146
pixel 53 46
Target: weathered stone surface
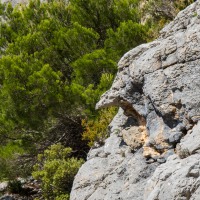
pixel 158 83
pixel 3 186
pixel 134 136
pixel 7 197
pixel 191 142
pixel 177 179
pixel 113 171
pixel 158 87
pixel 16 2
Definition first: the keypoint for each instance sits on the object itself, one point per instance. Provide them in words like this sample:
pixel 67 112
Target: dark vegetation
pixel 57 58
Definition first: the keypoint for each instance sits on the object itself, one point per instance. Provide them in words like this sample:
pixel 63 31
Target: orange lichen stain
pixel 135 136
pixel 144 135
pixel 149 152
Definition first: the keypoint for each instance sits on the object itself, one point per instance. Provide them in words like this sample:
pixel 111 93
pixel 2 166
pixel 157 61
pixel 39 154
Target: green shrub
pixel 96 130
pixel 15 186
pixel 62 197
pixel 56 170
pixel 9 154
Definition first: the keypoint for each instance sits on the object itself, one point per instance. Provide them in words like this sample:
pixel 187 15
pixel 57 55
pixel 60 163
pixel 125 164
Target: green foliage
pixel 182 4
pixel 90 67
pixel 156 13
pixel 8 160
pixel 56 170
pixel 100 15
pixel 62 197
pixel 126 37
pixel 57 59
pixel 92 95
pixel 96 130
pixel 15 186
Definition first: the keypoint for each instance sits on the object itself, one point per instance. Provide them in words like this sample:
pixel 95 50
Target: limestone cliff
pixel 153 152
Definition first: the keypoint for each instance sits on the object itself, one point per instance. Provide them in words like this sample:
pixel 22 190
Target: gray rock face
pixel 3 186
pixel 153 152
pixel 176 179
pixel 7 197
pixel 190 143
pixel 16 2
pixel 112 171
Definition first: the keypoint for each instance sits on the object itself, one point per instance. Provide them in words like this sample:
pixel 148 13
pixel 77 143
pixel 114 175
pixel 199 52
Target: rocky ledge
pixel 153 152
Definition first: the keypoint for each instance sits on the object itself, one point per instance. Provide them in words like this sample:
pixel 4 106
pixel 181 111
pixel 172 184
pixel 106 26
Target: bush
pixel 15 186
pixel 96 130
pixel 56 170
pixel 9 154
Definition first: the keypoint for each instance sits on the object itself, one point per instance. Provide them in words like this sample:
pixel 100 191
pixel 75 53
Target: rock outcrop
pixel 153 152
pixel 15 2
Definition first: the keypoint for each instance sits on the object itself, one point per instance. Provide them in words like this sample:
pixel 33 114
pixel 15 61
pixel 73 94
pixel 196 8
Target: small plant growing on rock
pixel 96 130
